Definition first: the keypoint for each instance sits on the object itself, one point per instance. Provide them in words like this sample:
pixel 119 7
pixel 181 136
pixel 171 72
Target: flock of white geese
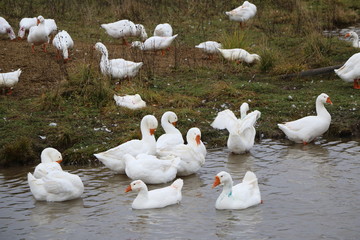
pixel 151 161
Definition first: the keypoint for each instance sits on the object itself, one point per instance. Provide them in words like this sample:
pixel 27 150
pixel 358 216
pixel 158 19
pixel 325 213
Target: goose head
pixel 324 98
pixel 50 154
pixel 137 44
pixel 222 178
pixel 244 108
pixel 136 185
pixel 101 48
pixel 140 29
pixel 149 123
pixel 40 19
pixel 193 136
pixel 169 117
pixel 11 33
pixel 351 35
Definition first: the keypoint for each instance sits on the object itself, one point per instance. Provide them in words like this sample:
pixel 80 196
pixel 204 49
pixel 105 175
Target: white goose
pixel 26 23
pixel 240 196
pixel 5 28
pixel 239 55
pixel 123 29
pixel 209 47
pixel 63 42
pixel 38 34
pixel 355 39
pixel 241 131
pixel 116 68
pixel 114 157
pixel 56 186
pixel 50 161
pixel 130 101
pixel 192 154
pixel 350 71
pixel 243 13
pixel 9 80
pixel 163 30
pixel 157 198
pixel 151 169
pixel 172 135
pixel 306 129
pixel 155 43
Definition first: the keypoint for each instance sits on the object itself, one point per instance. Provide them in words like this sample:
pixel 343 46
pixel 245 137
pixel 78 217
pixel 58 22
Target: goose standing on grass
pixel 243 195
pixel 355 39
pixel 306 129
pixel 172 135
pixel 56 186
pixel 192 154
pixel 239 55
pixel 9 80
pixel 63 43
pixel 243 13
pixel 241 131
pixel 151 169
pixel 157 198
pixel 123 29
pixel 38 35
pixel 209 47
pixel 116 68
pixel 114 157
pixel 350 71
pixel 155 43
pixel 5 28
pixel 50 161
pixel 130 101
pixel 163 30
pixel 26 23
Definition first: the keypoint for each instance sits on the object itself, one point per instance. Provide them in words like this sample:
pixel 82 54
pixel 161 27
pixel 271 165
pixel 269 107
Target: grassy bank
pixel 78 99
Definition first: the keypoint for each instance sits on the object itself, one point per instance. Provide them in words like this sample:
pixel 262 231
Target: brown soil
pixel 42 71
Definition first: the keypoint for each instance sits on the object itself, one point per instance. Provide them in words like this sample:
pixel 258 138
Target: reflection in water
pixel 303 188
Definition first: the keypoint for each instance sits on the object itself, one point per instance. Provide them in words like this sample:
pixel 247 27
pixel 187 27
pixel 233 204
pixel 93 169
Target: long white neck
pixel 65 50
pixel 227 188
pixel 356 42
pixel 321 110
pixel 143 194
pixel 45 156
pixel 104 62
pixel 167 126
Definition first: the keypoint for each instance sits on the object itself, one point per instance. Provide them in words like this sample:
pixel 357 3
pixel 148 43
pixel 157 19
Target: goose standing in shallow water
pixel 241 131
pixel 306 129
pixel 350 71
pixel 240 196
pixel 114 157
pixel 157 198
pixel 116 68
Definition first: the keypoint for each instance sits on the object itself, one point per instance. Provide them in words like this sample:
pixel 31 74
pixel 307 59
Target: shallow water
pixel 309 192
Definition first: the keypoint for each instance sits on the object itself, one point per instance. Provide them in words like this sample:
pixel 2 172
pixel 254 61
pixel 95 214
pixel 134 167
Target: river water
pixel 309 192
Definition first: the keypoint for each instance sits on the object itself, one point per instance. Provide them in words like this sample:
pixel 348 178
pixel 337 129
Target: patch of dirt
pixel 42 71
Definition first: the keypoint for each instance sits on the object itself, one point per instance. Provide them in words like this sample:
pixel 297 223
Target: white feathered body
pixel 239 54
pixel 9 79
pixel 351 69
pixel 5 28
pixel 209 47
pixel 56 186
pixel 243 13
pixel 63 42
pixel 154 43
pixel 163 30
pixel 125 28
pixel 130 101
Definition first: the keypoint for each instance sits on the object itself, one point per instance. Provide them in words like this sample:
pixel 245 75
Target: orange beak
pixel 174 123
pixel 347 35
pixel 128 189
pixel 328 100
pixel 197 139
pixel 152 131
pixel 59 161
pixel 216 182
